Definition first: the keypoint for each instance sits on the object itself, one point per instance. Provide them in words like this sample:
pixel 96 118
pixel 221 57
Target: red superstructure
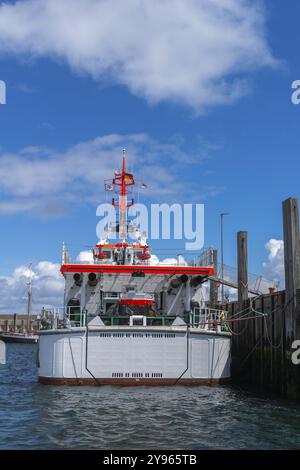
pixel 131 269
pixel 123 257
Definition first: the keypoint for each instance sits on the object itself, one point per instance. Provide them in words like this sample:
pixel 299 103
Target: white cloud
pixel 174 261
pixel 85 256
pixel 48 283
pixel 47 288
pixel 45 182
pixel 193 52
pixel 155 261
pixel 274 266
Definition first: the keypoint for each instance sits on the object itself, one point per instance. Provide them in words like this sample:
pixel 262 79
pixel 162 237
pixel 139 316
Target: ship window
pixel 130 288
pixel 137 335
pixel 117 374
pixel 138 274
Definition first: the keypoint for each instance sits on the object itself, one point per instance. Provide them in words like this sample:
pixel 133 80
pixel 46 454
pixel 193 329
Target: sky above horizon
pixel 199 94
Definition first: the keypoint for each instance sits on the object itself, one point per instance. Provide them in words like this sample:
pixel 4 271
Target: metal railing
pixel 63 317
pixel 71 317
pixel 255 282
pixel 124 320
pixel 208 319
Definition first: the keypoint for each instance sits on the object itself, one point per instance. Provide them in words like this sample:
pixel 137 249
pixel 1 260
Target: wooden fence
pixel 262 345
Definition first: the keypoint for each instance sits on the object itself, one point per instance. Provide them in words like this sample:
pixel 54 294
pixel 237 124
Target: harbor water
pixel 34 416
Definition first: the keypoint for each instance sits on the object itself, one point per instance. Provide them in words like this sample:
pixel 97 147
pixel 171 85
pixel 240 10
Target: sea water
pixel 35 416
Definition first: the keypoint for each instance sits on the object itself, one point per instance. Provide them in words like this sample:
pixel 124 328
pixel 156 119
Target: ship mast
pixel 123 203
pixel 123 179
pixel 29 300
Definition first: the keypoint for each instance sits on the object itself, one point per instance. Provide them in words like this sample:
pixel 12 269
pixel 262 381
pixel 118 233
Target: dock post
pixel 242 252
pixel 15 322
pixel 213 287
pixel 292 267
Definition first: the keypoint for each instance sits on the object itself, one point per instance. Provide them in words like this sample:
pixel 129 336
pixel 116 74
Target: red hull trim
pixel 131 382
pixel 139 302
pixel 129 269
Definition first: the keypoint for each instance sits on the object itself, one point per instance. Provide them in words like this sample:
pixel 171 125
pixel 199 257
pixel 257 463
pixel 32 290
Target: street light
pixel 222 253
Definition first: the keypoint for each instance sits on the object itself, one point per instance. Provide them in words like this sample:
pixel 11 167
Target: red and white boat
pixel 128 322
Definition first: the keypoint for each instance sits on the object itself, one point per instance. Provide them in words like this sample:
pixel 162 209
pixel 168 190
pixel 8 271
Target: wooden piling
pixel 242 256
pixel 291 266
pixel 262 346
pixel 15 322
pixel 213 287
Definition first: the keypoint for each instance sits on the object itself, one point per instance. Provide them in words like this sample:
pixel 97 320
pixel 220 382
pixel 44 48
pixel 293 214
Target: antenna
pixel 63 254
pixel 123 180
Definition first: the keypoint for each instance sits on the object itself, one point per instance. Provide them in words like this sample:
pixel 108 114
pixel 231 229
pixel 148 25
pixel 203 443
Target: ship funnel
pixel 77 279
pixel 92 279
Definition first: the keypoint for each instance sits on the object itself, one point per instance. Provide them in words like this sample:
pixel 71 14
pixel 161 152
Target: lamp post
pixel 222 253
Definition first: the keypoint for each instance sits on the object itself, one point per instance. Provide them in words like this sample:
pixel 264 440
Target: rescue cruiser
pixel 127 321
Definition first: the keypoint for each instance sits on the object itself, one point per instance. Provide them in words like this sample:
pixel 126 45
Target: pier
pixel 266 327
pixel 17 323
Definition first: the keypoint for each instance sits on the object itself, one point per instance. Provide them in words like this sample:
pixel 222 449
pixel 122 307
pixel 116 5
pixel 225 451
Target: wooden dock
pixel 262 346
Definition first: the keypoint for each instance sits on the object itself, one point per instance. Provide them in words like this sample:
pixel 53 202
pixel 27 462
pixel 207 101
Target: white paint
pixel 145 350
pixel 295 98
pixel 2 352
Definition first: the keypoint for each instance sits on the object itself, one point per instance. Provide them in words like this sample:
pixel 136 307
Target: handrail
pixel 209 318
pixel 75 316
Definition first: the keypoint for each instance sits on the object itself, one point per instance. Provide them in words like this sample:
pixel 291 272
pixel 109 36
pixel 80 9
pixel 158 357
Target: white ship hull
pixel 126 355
pixel 129 321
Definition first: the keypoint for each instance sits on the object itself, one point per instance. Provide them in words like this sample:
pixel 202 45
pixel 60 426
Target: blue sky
pixel 236 155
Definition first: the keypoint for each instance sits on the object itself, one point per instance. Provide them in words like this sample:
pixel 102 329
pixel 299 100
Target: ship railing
pixel 133 320
pixel 175 262
pixel 209 319
pixel 63 317
pixel 111 295
pixel 75 316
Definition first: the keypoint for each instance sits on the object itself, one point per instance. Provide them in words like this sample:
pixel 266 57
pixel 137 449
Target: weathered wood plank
pixel 242 256
pixel 291 264
pixel 213 286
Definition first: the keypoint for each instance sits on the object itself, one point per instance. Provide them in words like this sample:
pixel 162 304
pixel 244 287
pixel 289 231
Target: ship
pixel 15 337
pixel 128 321
pixel 26 336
